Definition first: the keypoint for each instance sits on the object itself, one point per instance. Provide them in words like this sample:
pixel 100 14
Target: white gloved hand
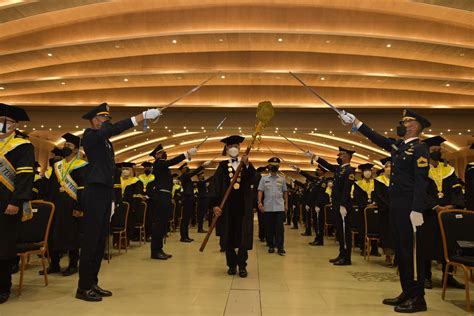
pixel 193 151
pixel 343 211
pixel 306 207
pixel 416 219
pixel 206 163
pixel 347 118
pixel 317 209
pixel 309 154
pixel 151 114
pixel 296 168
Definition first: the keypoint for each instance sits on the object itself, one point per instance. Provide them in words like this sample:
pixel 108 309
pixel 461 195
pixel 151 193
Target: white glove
pixel 346 117
pixel 317 209
pixel 296 168
pixel 206 163
pixel 343 211
pixel 306 207
pixel 151 114
pixel 416 219
pixel 193 151
pixel 309 154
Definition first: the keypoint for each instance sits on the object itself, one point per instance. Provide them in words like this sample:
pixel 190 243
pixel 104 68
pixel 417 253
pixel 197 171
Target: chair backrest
pixel 140 213
pixel 328 214
pixel 455 225
pixel 356 220
pixel 120 217
pixel 372 219
pixel 36 230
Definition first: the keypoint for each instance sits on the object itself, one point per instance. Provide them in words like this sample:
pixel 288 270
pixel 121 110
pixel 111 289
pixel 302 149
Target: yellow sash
pixel 329 192
pixel 146 179
pixel 383 179
pixel 439 173
pixel 126 182
pixel 63 170
pixel 7 172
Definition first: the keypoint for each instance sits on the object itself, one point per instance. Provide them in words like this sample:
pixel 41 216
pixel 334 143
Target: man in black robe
pixel 17 159
pixel 235 225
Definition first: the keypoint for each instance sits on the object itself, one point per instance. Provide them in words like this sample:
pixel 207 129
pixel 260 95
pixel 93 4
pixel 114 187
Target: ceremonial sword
pixel 215 129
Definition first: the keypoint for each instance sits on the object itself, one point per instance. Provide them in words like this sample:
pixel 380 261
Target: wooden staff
pixel 264 115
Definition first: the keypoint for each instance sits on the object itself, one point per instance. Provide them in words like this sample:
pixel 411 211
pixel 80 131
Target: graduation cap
pixel 274 161
pixel 344 150
pixel 410 115
pixel 100 110
pixel 156 150
pixel 13 112
pixel 22 135
pixel 57 152
pixel 147 164
pixel 366 166
pixel 73 139
pixel 231 140
pixel 434 141
pixel 184 165
pixel 385 160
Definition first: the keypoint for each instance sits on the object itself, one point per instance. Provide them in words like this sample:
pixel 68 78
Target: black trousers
pixel 296 215
pixel 56 257
pixel 318 224
pixel 161 213
pixel 261 225
pixel 343 233
pixel 403 246
pixel 188 209
pixel 238 258
pixel 6 275
pixel 274 228
pixel 203 206
pixel 308 220
pixel 97 201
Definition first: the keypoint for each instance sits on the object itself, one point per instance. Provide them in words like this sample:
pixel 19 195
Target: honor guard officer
pixel 98 194
pixel 445 189
pixel 275 205
pixel 235 226
pixel 408 200
pixel 17 160
pixel 469 178
pixel 341 201
pixel 203 201
pixel 161 194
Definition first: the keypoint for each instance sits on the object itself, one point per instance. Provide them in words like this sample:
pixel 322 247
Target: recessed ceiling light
pixel 174 41
pixel 447 85
pixel 328 41
pixel 63 83
pixel 222 77
pixel 184 127
pixel 117 46
pixel 179 77
pixel 2 88
pixel 449 130
pixel 459 133
pixel 221 39
pixel 462 54
pixel 322 78
pixel 50 55
pixel 280 39
pixel 126 79
pixel 42 126
pixel 389 45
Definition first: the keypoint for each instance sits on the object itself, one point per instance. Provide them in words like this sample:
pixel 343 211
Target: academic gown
pixel 382 199
pixel 66 225
pixel 469 178
pixel 235 226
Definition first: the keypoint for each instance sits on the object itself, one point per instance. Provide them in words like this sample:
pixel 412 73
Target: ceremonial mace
pixel 264 115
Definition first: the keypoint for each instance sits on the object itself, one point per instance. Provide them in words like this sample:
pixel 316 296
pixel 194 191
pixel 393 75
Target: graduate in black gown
pixel 235 226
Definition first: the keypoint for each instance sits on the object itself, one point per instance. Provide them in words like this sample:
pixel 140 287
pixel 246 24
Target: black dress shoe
pixel 452 282
pixel 334 260
pixel 305 234
pixel 101 292
pixel 342 262
pixel 4 297
pixel 70 271
pixel 231 271
pixel 202 231
pixel 51 270
pixel 243 272
pixel 148 239
pixel 281 252
pixel 88 295
pixel 271 250
pixel 185 240
pixel 159 256
pixel 412 305
pixel 395 301
pixel 428 284
pixel 294 228
pixel 375 254
pixel 316 243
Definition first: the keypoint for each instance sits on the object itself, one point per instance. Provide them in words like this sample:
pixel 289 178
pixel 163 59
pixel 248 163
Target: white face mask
pixel 367 174
pixel 126 173
pixel 330 184
pixel 8 127
pixel 233 152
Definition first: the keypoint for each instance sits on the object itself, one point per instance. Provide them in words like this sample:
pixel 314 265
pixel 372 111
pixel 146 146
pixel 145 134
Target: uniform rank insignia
pixel 351 177
pixel 422 162
pixel 323 185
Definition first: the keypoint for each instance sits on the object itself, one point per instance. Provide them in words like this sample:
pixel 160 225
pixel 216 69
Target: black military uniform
pixel 188 199
pixel 318 200
pixel 469 179
pixel 408 193
pixel 203 201
pixel 17 161
pixel 65 191
pixel 308 198
pixel 260 215
pixel 445 189
pixel 146 178
pixel 39 184
pixel 235 226
pixel 160 195
pixel 97 199
pixel 341 197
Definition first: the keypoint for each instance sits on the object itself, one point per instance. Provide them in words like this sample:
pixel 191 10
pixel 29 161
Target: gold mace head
pixel 265 112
